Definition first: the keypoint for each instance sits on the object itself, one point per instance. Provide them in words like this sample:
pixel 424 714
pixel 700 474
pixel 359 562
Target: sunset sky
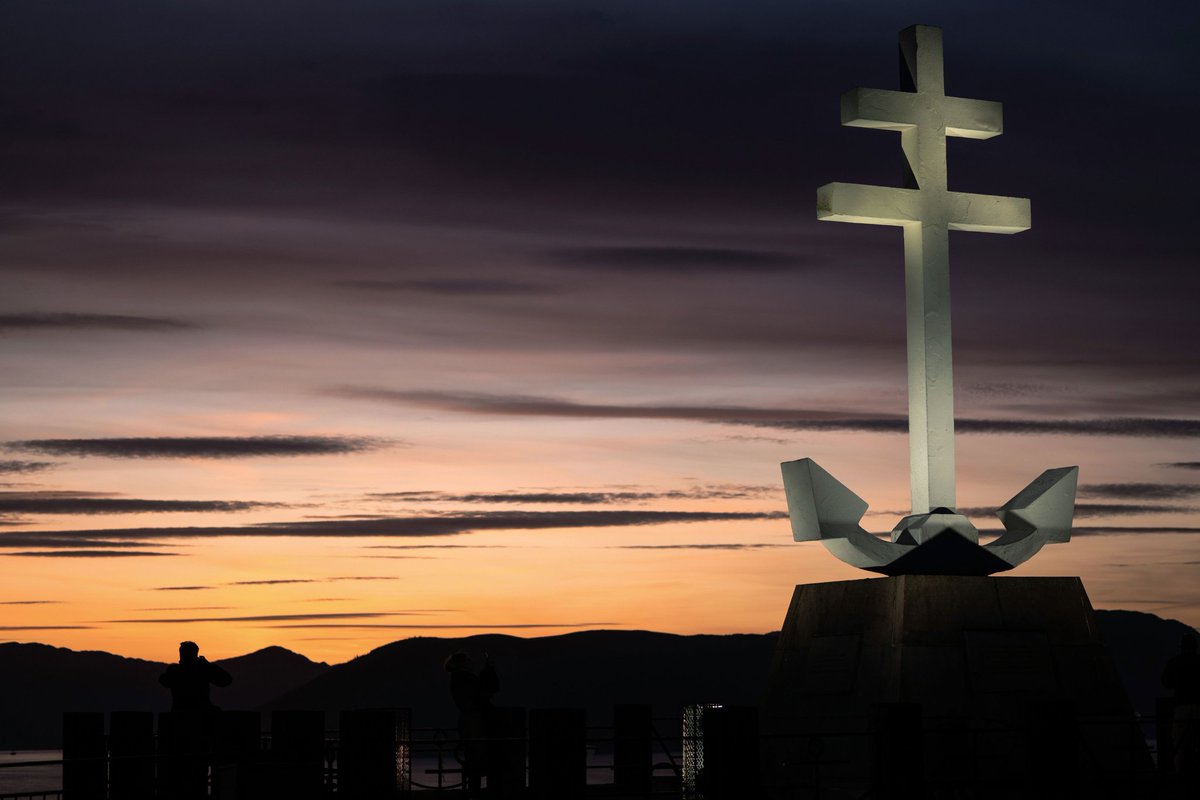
pixel 325 324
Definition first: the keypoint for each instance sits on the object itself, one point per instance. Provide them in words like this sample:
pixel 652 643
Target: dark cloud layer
pixel 186 608
pixel 1182 464
pixel 1118 530
pixel 722 546
pixel 280 581
pixel 82 503
pixel 24 467
pixel 531 406
pixel 577 498
pixel 483 626
pixel 45 627
pixel 271 617
pixel 777 418
pixel 442 525
pixel 449 287
pixel 200 446
pixel 87 553
pixel 555 122
pixel 1141 491
pixel 68 541
pixel 679 259
pixel 89 322
pixel 1092 510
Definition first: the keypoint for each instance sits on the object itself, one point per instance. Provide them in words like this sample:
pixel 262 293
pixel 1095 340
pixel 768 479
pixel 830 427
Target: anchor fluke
pixel 819 506
pixel 940 542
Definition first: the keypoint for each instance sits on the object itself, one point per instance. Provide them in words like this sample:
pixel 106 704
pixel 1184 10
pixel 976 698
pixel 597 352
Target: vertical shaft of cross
pixel 927 280
pixel 930 367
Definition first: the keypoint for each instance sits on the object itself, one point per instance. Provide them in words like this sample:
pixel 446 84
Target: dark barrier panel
pixel 506 752
pixel 1165 735
pixel 236 772
pixel 84 767
pixel 633 750
pixel 373 753
pixel 297 763
pixel 557 753
pixel 731 753
pixel 1052 738
pixel 899 757
pixel 183 754
pixel 131 749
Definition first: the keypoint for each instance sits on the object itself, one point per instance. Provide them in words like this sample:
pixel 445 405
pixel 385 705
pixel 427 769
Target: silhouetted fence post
pixel 183 754
pixel 633 750
pixel 237 748
pixel 131 754
pixel 506 752
pixel 557 753
pixel 899 755
pixel 731 753
pixel 297 754
pixel 85 770
pixel 374 758
pixel 1052 738
pixel 1164 711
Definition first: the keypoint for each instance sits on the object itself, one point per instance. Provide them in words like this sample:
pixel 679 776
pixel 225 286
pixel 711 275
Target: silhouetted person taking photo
pixel 190 679
pixel 186 734
pixel 1182 674
pixel 472 695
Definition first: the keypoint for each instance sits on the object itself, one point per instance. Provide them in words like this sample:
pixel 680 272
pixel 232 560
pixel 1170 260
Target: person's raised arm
pixel 218 676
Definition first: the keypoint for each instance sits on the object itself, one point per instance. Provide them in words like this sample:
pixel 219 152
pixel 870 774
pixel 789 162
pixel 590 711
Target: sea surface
pixel 29 779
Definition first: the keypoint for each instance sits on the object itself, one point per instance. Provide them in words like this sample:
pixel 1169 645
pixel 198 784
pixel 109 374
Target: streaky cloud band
pixel 202 446
pixel 442 525
pixel 787 419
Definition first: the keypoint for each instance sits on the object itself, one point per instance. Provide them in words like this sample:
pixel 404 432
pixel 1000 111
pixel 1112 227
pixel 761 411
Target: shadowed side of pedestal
pixel 933 681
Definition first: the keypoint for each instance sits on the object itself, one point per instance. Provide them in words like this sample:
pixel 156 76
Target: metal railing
pixel 893 756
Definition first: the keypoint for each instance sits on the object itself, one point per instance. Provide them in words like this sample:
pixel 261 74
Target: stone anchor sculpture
pixel 934 539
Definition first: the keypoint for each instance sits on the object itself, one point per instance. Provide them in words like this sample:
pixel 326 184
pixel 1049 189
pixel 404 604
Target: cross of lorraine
pixel 933 539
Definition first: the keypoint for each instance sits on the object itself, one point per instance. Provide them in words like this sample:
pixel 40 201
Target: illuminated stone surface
pixel 820 507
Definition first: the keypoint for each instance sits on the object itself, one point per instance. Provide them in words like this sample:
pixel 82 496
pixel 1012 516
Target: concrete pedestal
pixel 931 685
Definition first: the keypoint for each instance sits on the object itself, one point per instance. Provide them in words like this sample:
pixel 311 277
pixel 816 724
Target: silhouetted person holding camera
pixel 472 695
pixel 1182 674
pixel 190 679
pixel 187 737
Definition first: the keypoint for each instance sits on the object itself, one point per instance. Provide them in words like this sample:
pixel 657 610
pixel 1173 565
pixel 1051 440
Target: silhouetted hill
pixel 595 669
pixel 263 675
pixel 39 682
pixel 1140 644
pixel 592 669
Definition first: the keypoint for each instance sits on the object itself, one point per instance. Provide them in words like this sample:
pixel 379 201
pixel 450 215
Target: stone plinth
pixel 1011 685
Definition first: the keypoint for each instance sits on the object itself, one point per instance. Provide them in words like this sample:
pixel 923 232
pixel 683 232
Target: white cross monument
pixel 927 211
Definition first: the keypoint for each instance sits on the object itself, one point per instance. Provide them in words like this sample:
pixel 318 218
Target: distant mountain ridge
pixel 591 669
pixel 39 682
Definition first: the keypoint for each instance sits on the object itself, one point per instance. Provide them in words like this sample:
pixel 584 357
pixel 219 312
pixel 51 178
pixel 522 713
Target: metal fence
pixel 710 752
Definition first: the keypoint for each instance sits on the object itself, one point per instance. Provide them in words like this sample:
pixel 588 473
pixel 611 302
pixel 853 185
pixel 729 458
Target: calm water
pixel 29 779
